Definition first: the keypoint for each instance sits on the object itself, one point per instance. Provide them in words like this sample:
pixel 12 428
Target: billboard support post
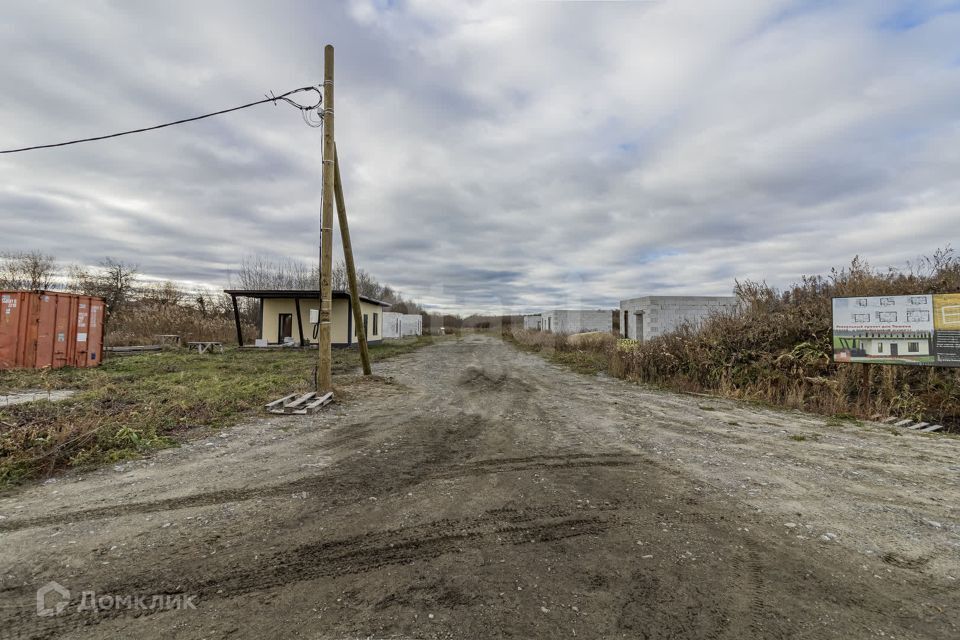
pixel 865 383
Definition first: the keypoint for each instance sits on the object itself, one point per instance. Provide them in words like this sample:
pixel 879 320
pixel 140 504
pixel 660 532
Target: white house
pixel 894 344
pixel 292 316
pixel 576 320
pixel 651 316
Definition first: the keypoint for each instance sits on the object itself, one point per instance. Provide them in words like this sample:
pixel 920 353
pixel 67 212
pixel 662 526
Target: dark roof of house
pixel 302 294
pixel 889 334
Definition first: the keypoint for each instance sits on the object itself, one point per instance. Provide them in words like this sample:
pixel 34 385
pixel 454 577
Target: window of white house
pixel 879 347
pixel 913 347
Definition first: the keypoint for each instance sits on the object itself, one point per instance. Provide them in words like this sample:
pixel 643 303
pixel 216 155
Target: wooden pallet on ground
pixel 923 427
pixel 305 404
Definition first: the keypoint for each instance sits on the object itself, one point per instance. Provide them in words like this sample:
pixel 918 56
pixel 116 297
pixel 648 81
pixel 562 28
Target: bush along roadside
pixel 777 350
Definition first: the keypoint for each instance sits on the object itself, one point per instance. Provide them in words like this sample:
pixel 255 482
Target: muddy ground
pixel 473 491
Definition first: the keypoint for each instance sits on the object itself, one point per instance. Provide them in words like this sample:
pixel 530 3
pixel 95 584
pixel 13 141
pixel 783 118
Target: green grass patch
pixel 843 420
pixel 586 362
pixel 134 403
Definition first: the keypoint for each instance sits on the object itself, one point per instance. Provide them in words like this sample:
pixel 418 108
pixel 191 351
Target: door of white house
pixel 284 327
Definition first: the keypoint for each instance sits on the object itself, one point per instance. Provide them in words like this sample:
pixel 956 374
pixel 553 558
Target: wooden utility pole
pixel 324 374
pixel 351 267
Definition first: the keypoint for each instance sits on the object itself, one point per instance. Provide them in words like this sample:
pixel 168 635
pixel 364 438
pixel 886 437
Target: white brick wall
pixel 411 324
pixel 397 325
pixel 656 315
pixel 391 324
pixel 576 320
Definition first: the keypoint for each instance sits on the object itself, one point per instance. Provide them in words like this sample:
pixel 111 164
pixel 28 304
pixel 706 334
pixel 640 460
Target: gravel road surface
pixel 473 491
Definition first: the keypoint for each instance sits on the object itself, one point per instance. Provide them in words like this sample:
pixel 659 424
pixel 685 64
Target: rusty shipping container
pixel 50 329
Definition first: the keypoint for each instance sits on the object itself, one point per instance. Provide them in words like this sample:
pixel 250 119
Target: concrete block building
pixel 532 322
pixel 651 316
pixel 411 324
pixel 576 320
pixel 391 324
pixel 401 325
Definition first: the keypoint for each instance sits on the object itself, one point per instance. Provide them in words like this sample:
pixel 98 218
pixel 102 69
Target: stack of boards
pixel 299 404
pixel 924 427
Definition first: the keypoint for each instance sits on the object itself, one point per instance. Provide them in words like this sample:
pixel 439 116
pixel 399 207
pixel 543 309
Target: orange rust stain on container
pixel 50 329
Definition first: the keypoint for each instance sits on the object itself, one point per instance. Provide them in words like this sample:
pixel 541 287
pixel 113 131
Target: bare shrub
pixel 777 348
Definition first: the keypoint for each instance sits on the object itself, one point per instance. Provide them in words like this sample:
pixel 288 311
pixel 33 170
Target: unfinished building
pixel 651 316
pixel 576 320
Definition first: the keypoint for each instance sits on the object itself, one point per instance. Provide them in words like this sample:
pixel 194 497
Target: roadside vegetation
pixel 777 349
pixel 132 404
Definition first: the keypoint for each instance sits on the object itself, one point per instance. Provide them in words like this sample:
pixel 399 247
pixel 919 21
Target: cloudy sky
pixel 496 155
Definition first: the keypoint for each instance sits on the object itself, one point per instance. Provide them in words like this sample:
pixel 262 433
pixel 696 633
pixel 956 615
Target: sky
pixel 496 156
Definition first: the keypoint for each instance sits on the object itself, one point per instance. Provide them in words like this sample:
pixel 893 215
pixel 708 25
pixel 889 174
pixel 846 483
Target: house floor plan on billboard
pixel 920 329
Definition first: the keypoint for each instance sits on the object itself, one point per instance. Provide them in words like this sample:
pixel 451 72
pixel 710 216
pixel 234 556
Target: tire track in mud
pixel 345 481
pixel 661 608
pixel 540 463
pixel 358 554
pixel 756 606
pixel 338 484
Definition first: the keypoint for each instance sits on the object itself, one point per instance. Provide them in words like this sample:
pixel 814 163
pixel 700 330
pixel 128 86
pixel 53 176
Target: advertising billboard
pixel 920 329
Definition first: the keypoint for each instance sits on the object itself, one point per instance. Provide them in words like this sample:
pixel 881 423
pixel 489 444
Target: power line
pixel 305 110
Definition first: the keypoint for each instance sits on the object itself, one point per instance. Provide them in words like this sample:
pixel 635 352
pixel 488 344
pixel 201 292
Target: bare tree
pixel 27 270
pixel 338 277
pixel 113 280
pixel 261 272
pixel 211 304
pixel 162 293
pixel 367 284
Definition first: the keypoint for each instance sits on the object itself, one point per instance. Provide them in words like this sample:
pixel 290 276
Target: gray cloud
pixel 496 156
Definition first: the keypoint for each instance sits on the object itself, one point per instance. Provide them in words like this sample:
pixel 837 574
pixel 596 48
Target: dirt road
pixel 478 492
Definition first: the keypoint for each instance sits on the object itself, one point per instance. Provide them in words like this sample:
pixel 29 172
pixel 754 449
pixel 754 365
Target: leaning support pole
pixel 324 374
pixel 236 317
pixel 351 267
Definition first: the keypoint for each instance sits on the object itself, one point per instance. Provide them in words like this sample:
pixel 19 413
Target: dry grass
pixel 777 350
pixel 135 403
pixel 585 355
pixel 141 323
